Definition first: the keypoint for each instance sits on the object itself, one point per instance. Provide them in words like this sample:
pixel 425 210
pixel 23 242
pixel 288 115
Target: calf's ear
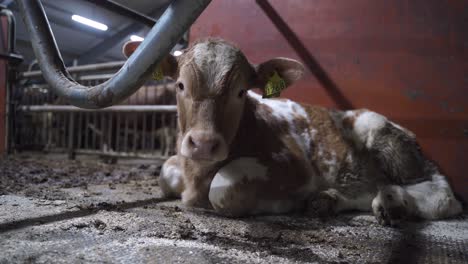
pixel 167 67
pixel 129 47
pixel 283 69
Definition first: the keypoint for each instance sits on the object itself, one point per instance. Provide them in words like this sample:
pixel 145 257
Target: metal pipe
pixel 118 154
pixel 116 108
pixel 124 11
pixel 11 57
pixel 78 69
pixel 137 69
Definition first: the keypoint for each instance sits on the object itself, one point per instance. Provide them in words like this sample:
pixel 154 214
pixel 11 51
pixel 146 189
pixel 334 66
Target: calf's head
pixel 212 79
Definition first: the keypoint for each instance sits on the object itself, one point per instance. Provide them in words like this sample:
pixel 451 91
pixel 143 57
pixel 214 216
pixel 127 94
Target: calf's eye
pixel 241 93
pixel 180 86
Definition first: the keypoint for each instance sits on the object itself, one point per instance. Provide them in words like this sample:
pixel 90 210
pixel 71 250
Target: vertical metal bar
pixel 64 130
pixel 33 132
pixel 56 125
pixel 50 130
pixel 153 131
pixel 143 132
pixel 117 134
pixel 102 125
pixel 59 129
pixel 109 131
pixel 94 130
pixel 163 136
pixel 43 118
pixel 135 131
pixel 79 130
pixel 9 136
pixel 86 124
pixel 53 130
pixel 99 130
pixel 126 133
pixel 71 136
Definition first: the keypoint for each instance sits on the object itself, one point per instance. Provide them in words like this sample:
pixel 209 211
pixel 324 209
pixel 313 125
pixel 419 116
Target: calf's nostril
pixel 191 142
pixel 214 147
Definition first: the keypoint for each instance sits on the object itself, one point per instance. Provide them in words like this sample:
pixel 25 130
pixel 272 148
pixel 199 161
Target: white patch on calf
pixel 287 110
pixel 366 125
pixel 331 163
pixel 237 170
pixel 245 168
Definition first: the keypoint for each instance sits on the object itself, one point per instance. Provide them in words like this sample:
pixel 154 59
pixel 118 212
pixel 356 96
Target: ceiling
pixel 83 43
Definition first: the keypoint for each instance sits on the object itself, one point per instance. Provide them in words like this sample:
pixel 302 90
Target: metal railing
pixel 143 126
pixel 170 27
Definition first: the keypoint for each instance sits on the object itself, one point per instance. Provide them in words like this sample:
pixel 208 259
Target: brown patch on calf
pixel 261 135
pixel 348 122
pixel 328 140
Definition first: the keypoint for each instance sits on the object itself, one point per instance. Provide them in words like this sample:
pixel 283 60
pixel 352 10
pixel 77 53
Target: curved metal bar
pixel 163 36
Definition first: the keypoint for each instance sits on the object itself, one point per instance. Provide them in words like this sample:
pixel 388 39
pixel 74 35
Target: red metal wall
pixel 405 59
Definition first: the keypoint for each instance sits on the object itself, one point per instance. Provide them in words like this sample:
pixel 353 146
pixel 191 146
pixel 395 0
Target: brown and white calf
pixel 241 154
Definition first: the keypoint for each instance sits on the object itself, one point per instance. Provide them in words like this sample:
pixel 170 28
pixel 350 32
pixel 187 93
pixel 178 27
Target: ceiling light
pixel 89 22
pixel 177 53
pixel 136 38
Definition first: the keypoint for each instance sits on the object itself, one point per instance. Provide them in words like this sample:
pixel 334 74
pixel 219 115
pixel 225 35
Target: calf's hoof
pixel 323 204
pixel 194 199
pixel 390 207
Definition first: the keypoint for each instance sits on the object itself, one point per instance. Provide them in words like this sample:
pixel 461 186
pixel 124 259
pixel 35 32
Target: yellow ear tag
pixel 158 74
pixel 274 86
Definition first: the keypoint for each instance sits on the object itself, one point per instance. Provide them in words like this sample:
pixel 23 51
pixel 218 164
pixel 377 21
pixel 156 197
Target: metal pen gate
pixel 143 126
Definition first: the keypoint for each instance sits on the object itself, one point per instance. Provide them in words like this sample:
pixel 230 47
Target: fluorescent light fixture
pixel 89 22
pixel 177 53
pixel 136 38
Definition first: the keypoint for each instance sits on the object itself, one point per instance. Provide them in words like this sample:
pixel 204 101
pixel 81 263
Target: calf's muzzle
pixel 204 145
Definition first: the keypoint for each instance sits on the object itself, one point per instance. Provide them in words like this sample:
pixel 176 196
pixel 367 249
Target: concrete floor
pixel 58 211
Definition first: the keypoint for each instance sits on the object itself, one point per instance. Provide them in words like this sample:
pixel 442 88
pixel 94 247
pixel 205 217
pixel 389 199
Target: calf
pixel 242 154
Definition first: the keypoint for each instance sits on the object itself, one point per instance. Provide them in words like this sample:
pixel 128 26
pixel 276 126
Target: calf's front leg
pixel 197 179
pixel 196 191
pixel 181 178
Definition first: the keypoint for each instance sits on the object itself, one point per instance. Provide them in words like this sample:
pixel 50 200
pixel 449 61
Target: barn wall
pixel 405 59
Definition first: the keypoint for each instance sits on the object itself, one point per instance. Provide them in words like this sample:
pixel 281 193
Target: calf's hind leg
pixel 398 155
pixel 432 199
pixel 332 201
